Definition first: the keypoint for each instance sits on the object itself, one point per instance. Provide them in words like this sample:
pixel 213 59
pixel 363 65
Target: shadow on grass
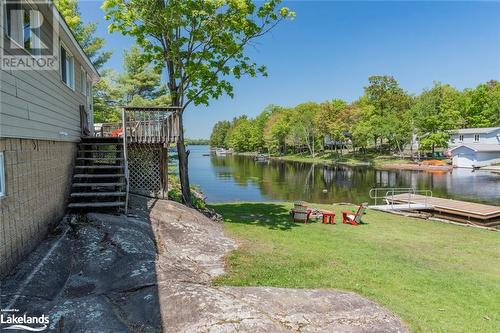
pixel 270 215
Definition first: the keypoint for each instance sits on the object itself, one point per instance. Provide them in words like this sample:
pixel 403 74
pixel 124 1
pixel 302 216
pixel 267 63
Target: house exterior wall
pixel 39 130
pixel 464 157
pixel 37 103
pixel 484 138
pixel 38 179
pixel 487 158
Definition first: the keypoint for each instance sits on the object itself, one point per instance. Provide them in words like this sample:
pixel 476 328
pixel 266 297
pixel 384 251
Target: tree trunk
pixel 183 155
pixel 313 142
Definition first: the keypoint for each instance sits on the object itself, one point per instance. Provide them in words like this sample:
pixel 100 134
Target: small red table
pixel 328 217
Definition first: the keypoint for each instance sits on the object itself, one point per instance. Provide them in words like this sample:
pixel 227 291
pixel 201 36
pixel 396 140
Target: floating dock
pixel 461 211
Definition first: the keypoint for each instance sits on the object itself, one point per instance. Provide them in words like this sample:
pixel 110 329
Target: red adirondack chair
pixel 353 217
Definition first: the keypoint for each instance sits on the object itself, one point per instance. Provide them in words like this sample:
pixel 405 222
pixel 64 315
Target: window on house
pixel 19 25
pixel 2 175
pixel 67 67
pixel 461 138
pixel 476 137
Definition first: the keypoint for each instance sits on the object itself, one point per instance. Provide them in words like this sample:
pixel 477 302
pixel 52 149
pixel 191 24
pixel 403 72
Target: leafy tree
pixel 107 95
pixel 259 123
pixel 436 112
pixel 199 43
pixel 197 142
pixel 362 130
pixel 133 87
pixel 482 105
pixel 138 100
pixel 391 104
pixel 239 134
pixel 276 130
pixel 303 127
pixel 331 120
pixel 140 78
pixel 219 134
pixel 85 33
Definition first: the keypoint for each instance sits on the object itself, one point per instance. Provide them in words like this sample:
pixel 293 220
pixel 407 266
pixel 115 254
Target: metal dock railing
pixel 391 195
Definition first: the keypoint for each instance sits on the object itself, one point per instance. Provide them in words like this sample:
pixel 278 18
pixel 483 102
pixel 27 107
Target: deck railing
pixel 151 124
pixel 107 129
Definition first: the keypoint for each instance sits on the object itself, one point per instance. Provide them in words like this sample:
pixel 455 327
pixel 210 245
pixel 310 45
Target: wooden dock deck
pixel 462 211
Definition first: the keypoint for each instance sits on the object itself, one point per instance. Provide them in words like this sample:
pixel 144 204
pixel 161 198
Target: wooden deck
pixel 462 211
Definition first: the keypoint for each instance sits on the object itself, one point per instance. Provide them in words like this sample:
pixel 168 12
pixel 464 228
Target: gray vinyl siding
pixel 36 104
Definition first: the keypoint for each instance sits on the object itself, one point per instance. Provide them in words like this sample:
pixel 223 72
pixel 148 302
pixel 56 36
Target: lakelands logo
pixel 29 35
pixel 13 321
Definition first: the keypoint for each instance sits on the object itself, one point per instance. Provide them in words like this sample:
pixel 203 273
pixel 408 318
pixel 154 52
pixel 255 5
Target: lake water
pixel 240 178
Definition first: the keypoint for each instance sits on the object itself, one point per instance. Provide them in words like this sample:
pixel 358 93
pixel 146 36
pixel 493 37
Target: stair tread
pixel 100 151
pixel 97 194
pixel 100 158
pixel 99 175
pixel 97 184
pixel 99 166
pixel 96 204
pixel 100 143
pixel 101 138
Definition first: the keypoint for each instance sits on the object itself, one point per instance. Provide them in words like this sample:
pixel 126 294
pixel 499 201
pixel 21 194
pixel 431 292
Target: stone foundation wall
pixel 38 177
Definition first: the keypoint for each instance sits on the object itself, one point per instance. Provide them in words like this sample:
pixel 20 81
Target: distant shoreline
pixel 380 162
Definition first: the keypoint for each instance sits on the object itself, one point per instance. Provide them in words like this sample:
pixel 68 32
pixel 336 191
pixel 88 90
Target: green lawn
pixel 437 277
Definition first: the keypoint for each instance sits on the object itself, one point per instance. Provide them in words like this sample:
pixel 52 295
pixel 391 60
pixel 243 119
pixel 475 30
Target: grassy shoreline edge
pixel 330 158
pixel 402 263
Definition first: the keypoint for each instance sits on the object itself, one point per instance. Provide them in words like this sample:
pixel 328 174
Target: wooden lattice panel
pixel 145 169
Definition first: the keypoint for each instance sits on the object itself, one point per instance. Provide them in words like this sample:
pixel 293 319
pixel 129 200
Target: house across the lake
pixel 475 147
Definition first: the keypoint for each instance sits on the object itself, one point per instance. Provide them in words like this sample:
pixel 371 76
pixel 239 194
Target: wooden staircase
pixel 99 179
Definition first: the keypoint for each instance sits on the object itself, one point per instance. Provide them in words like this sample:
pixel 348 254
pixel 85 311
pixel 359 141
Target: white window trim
pixel 83 85
pixel 70 54
pixel 2 175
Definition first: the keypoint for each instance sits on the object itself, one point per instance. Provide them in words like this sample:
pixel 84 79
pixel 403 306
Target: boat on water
pixel 261 158
pixel 223 151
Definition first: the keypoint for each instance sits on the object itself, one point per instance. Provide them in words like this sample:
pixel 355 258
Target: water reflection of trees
pixel 279 180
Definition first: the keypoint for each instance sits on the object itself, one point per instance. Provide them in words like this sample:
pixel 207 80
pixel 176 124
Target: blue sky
pixel 331 48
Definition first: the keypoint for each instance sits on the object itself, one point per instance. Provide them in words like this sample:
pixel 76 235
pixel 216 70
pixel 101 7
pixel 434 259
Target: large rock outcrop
pixel 152 272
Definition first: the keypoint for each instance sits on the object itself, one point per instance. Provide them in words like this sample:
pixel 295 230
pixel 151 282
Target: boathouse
pixel 475 147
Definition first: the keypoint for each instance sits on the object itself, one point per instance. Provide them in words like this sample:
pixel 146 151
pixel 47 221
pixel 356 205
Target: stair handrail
pixel 125 159
pixel 390 192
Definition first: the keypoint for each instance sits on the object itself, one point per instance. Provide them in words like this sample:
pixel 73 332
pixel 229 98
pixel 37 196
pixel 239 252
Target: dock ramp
pixel 388 195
